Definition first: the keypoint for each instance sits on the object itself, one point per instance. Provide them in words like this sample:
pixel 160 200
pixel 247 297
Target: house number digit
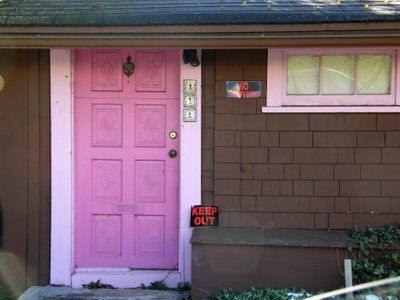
pixel 189 101
pixel 189 115
pixel 189 87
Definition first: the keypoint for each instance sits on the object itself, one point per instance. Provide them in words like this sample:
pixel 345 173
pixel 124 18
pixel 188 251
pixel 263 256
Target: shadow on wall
pixel 11 272
pixel 11 266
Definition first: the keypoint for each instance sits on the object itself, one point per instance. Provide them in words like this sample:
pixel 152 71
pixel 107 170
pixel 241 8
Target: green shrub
pixel 6 293
pixel 97 285
pixel 264 294
pixel 156 285
pixel 376 252
pixel 161 286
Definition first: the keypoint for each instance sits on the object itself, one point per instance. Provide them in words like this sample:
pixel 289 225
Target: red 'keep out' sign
pixel 204 215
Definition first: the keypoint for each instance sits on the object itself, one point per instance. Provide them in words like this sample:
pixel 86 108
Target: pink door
pixel 126 182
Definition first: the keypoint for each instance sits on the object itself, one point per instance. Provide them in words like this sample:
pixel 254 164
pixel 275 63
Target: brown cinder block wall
pixel 298 171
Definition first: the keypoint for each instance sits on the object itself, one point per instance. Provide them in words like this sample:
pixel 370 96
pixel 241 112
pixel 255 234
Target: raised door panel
pixel 106 70
pixel 106 235
pixel 107 125
pixel 107 180
pixel 150 76
pixel 150 181
pixel 150 126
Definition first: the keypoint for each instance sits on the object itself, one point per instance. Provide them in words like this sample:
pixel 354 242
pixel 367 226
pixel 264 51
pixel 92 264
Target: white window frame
pixel 278 101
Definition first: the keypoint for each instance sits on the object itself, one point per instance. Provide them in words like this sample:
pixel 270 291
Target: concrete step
pixel 53 293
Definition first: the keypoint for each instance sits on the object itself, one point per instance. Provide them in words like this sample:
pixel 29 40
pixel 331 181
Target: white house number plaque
pixel 189 100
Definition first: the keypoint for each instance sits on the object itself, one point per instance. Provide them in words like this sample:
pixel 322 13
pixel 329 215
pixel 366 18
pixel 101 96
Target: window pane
pixel 302 75
pixel 374 74
pixel 338 75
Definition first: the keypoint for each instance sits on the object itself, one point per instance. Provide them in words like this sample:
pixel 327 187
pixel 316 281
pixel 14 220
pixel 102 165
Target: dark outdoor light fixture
pixel 128 67
pixel 190 56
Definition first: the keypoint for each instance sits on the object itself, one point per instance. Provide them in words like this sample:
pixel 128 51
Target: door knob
pixel 172 153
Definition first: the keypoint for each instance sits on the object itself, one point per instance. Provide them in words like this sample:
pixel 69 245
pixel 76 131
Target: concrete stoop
pixel 53 293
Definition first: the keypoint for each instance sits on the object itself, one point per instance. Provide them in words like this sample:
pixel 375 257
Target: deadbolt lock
pixel 173 135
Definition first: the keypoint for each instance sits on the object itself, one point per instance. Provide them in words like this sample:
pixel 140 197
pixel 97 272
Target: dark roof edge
pixel 198 29
pixel 369 34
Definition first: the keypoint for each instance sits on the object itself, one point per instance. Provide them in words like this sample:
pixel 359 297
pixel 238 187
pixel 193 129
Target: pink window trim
pixel 276 89
pixel 331 109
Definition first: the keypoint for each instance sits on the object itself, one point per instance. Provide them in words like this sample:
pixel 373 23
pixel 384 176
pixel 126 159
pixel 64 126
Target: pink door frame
pixel 63 270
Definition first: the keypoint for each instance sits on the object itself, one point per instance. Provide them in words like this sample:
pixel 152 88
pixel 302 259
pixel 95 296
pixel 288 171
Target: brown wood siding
pixel 299 171
pixel 25 167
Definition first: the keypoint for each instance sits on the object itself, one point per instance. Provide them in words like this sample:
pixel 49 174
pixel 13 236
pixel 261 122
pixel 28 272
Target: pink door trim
pixel 63 229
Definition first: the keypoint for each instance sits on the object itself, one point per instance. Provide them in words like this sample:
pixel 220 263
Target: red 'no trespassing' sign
pixel 204 215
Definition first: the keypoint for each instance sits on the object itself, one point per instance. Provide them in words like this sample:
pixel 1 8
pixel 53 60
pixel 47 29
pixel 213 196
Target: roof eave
pixel 206 36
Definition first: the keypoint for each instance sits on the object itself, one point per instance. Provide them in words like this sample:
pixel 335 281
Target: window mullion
pixel 356 75
pixel 320 74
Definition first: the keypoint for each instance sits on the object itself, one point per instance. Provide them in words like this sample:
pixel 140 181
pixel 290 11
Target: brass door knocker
pixel 128 67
